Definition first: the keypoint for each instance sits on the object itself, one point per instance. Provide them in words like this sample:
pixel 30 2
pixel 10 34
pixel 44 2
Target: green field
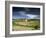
pixel 25 24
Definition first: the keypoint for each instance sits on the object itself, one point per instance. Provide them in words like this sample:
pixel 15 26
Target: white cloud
pixel 33 16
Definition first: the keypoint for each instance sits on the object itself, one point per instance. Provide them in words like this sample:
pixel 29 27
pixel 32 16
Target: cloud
pixel 22 14
pixel 33 16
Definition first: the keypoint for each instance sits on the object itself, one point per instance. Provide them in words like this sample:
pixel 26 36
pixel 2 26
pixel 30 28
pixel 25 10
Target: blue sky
pixel 28 13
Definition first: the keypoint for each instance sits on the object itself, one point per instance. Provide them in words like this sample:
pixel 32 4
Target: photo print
pixel 25 19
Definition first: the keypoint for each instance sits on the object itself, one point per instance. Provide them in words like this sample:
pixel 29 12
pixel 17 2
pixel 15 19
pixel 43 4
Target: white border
pixel 32 31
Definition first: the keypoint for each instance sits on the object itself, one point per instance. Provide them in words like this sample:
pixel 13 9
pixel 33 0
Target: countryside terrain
pixel 25 24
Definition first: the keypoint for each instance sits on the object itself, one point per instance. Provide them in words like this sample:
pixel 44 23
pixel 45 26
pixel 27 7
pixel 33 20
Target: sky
pixel 24 12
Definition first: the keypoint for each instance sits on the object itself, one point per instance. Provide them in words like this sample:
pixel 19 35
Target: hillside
pixel 26 24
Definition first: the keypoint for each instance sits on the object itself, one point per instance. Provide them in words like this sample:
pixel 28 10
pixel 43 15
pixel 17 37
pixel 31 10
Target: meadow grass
pixel 22 24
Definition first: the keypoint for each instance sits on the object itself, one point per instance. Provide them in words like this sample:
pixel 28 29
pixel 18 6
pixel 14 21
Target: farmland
pixel 25 24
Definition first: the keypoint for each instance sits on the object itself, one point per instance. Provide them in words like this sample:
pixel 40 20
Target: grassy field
pixel 25 24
